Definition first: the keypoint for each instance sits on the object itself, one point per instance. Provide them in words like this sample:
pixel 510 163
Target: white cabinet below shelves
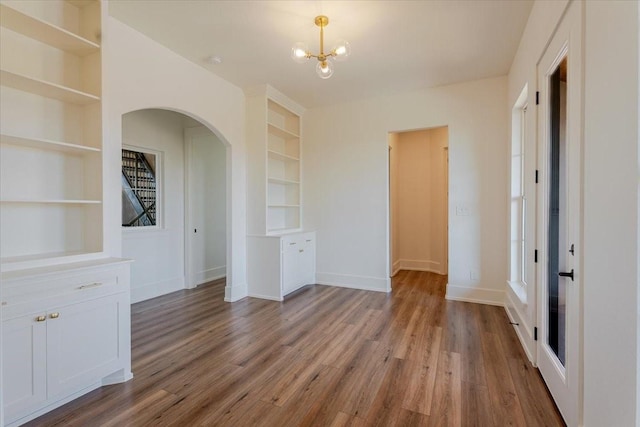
pixel 65 329
pixel 279 265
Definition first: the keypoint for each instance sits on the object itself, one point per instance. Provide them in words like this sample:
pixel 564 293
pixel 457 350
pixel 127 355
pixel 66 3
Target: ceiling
pixel 397 46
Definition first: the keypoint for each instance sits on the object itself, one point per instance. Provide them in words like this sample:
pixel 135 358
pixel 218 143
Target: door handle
pixel 563 274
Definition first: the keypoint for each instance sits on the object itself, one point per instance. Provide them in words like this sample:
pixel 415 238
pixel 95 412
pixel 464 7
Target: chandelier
pixel 300 51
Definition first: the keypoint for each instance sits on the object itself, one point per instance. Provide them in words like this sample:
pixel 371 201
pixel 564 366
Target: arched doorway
pixel 188 242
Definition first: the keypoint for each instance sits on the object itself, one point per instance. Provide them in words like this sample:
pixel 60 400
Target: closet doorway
pixel 418 200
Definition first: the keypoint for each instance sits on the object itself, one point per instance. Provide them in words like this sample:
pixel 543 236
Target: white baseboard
pixel 233 293
pixel 477 295
pixel 117 377
pixel 418 265
pixel 152 290
pixel 395 267
pixel 269 297
pixel 378 284
pixel 523 329
pixel 209 275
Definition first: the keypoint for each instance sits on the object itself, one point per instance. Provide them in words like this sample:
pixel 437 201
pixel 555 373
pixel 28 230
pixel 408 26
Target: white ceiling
pixel 396 45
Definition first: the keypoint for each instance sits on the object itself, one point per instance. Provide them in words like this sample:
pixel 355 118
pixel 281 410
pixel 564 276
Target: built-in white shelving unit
pixel 274 132
pixel 51 131
pixel 280 255
pixel 58 285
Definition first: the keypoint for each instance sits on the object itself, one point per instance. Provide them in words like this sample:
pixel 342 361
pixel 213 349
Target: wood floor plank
pixel 325 356
pixel 505 403
pixel 446 408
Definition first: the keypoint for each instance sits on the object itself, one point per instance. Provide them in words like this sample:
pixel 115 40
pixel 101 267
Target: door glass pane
pixel 557 249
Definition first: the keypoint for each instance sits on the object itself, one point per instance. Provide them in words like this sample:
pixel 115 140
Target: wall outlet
pixel 463 211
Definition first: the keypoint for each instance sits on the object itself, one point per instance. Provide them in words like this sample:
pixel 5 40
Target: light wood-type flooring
pixel 326 356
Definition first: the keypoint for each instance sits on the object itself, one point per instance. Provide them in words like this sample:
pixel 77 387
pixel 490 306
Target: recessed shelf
pixel 45 32
pixel 282 133
pixel 281 156
pixel 283 181
pixel 47 144
pixel 53 201
pixel 46 89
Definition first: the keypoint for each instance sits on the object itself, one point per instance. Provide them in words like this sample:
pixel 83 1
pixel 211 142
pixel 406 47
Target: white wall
pixel 207 207
pixel 419 215
pixel 141 74
pixel 158 252
pixel 346 185
pixel 611 214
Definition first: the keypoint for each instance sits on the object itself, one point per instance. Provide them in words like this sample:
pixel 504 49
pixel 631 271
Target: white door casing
pixel 564 381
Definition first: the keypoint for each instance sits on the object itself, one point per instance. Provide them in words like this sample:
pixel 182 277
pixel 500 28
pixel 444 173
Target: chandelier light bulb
pixel 300 52
pixel 342 50
pixel 324 69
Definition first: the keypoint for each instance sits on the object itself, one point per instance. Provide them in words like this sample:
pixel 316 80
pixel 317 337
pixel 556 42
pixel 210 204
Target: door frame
pixel 188 225
pixel 564 383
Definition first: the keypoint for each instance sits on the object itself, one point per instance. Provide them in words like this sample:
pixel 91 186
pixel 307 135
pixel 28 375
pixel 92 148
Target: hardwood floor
pixel 325 357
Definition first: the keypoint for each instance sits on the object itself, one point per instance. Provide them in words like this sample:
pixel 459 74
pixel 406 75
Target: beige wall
pixel 419 200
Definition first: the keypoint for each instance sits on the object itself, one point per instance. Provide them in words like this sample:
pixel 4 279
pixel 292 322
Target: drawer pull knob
pixel 41 318
pixel 54 315
pixel 91 285
pixel 308 240
pixel 292 243
pixel 300 250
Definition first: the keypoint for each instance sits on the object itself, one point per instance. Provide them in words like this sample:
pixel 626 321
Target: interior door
pixel 560 216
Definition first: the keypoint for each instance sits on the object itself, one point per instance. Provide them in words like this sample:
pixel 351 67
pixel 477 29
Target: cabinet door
pixel 24 380
pixel 84 343
pixel 307 261
pixel 290 267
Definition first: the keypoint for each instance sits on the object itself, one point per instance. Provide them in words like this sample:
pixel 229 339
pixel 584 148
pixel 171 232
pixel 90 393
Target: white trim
pixel 418 265
pixel 118 377
pixel 366 283
pixel 156 289
pixel 519 289
pixel 523 330
pixel 233 293
pixel 477 295
pixel 268 297
pixel 209 275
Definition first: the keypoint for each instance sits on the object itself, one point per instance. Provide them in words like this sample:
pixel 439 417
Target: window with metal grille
pixel 139 188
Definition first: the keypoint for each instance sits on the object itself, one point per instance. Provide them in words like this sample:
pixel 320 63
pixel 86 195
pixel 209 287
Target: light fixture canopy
pixel 300 51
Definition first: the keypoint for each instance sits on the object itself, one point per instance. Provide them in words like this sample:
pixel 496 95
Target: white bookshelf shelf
pixel 45 32
pixel 282 133
pixel 283 181
pixel 46 89
pixel 52 201
pixel 47 144
pixel 281 156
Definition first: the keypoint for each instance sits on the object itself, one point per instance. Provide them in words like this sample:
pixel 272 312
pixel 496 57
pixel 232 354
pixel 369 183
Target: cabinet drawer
pixel 37 294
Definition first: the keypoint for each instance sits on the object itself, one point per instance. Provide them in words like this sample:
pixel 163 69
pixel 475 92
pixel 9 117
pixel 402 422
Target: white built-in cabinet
pixel 281 256
pixel 65 331
pixel 50 132
pixel 65 305
pixel 279 265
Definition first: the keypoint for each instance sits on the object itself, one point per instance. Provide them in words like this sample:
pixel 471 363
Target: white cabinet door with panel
pixel 24 364
pixel 83 343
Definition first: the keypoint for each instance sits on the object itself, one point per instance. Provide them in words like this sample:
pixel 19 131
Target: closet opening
pixel 189 242
pixel 418 201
